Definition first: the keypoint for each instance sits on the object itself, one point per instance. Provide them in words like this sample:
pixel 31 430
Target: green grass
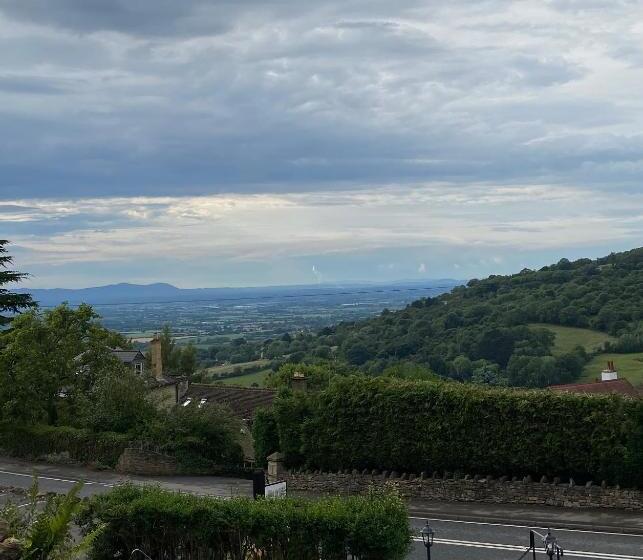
pixel 568 338
pixel 629 366
pixel 247 380
pixel 229 368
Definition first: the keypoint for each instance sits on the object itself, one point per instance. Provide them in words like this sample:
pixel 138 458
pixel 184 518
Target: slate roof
pixel 128 356
pixel 616 386
pixel 243 401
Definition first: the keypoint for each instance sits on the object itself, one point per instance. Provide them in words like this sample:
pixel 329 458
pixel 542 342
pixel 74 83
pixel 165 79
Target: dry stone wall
pixel 145 462
pixel 446 487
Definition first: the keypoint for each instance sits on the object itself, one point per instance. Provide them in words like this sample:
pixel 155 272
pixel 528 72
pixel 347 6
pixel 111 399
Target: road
pixel 454 539
pixel 468 540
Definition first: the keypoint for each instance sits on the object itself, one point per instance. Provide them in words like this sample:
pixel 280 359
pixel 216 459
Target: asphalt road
pixel 467 540
pixel 454 540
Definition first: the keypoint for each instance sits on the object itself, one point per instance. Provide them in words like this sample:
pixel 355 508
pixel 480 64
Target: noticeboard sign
pixel 276 490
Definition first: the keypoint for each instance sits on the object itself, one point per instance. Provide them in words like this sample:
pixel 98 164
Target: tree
pixel 188 360
pixel 45 355
pixel 9 301
pixel 168 351
pixel 118 402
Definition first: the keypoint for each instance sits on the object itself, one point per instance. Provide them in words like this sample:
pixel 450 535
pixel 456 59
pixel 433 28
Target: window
pixel 138 367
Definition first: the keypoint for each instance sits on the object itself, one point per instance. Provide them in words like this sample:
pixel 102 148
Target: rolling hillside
pixel 499 329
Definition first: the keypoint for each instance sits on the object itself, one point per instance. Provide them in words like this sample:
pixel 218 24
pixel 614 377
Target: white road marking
pixel 518 548
pixel 524 526
pixel 71 481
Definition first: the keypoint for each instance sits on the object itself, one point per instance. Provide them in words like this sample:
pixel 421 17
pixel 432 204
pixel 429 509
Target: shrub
pixel 199 438
pixel 171 525
pixel 428 426
pixel 33 441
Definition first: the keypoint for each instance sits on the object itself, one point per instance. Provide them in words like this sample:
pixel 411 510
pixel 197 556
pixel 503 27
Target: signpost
pixel 276 490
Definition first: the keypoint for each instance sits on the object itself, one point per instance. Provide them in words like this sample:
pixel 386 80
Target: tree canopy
pixel 10 302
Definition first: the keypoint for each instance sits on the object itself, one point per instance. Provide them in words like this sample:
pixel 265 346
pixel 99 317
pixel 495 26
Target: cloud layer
pixel 291 130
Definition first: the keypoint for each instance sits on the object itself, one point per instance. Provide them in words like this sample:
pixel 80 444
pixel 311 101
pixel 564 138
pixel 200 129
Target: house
pixel 609 384
pixel 131 358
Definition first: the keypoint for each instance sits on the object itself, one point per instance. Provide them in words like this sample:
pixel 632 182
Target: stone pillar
pixel 156 356
pixel 276 470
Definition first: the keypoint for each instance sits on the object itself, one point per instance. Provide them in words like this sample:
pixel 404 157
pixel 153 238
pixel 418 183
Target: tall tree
pixel 9 301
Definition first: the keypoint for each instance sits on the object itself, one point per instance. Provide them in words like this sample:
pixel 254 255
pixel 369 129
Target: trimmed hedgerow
pixel 165 524
pixel 436 426
pixel 34 441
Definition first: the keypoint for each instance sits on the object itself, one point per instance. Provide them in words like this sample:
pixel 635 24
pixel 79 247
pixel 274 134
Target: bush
pixel 171 525
pixel 199 438
pixel 428 426
pixel 84 446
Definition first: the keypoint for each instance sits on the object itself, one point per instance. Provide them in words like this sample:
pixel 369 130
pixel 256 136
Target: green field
pixel 247 380
pixel 568 338
pixel 629 366
pixel 229 368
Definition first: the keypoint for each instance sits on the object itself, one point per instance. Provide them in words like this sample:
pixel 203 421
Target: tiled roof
pixel 243 401
pixel 615 386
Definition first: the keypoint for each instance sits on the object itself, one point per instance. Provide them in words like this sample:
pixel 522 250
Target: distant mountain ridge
pixel 163 292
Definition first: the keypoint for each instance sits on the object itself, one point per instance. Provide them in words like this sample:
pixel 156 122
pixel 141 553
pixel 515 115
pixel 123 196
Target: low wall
pixel 139 461
pixel 477 489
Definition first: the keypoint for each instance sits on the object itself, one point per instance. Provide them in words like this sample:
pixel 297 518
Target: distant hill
pixel 161 292
pixel 482 331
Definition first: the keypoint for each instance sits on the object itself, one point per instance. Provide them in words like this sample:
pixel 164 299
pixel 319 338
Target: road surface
pixel 468 540
pixel 454 539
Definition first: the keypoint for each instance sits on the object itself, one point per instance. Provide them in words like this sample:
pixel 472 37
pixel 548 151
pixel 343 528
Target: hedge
pixel 437 426
pixel 165 524
pixel 85 446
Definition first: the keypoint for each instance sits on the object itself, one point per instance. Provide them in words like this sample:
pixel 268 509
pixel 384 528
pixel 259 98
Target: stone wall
pixel 140 461
pixel 446 487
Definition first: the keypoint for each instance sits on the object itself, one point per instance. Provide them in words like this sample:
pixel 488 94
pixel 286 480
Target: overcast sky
pixel 248 142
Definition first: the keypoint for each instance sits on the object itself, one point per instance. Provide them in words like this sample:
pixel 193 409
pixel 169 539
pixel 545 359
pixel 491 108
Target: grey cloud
pixel 204 97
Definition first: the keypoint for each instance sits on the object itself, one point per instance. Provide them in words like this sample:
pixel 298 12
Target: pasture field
pixel 229 368
pixel 568 338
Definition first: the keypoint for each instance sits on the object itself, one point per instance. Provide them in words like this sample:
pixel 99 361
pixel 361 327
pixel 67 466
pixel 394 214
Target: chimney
pixel 609 374
pixel 156 354
pixel 298 382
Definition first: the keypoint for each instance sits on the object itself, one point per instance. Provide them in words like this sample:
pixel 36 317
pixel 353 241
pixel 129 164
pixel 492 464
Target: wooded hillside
pixel 480 331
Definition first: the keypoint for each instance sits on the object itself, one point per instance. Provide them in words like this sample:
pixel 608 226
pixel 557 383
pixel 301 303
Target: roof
pixel 127 356
pixel 613 387
pixel 243 401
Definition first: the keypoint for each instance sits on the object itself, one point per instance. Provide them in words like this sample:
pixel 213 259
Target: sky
pixel 246 142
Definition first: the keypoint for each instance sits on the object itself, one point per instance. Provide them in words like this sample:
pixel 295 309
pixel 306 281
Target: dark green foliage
pixel 117 402
pixel 172 525
pixel 200 438
pixel 436 426
pixel 265 435
pixel 10 302
pixel 82 445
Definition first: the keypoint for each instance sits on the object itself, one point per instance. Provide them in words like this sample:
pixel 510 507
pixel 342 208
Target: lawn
pixel 629 366
pixel 568 338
